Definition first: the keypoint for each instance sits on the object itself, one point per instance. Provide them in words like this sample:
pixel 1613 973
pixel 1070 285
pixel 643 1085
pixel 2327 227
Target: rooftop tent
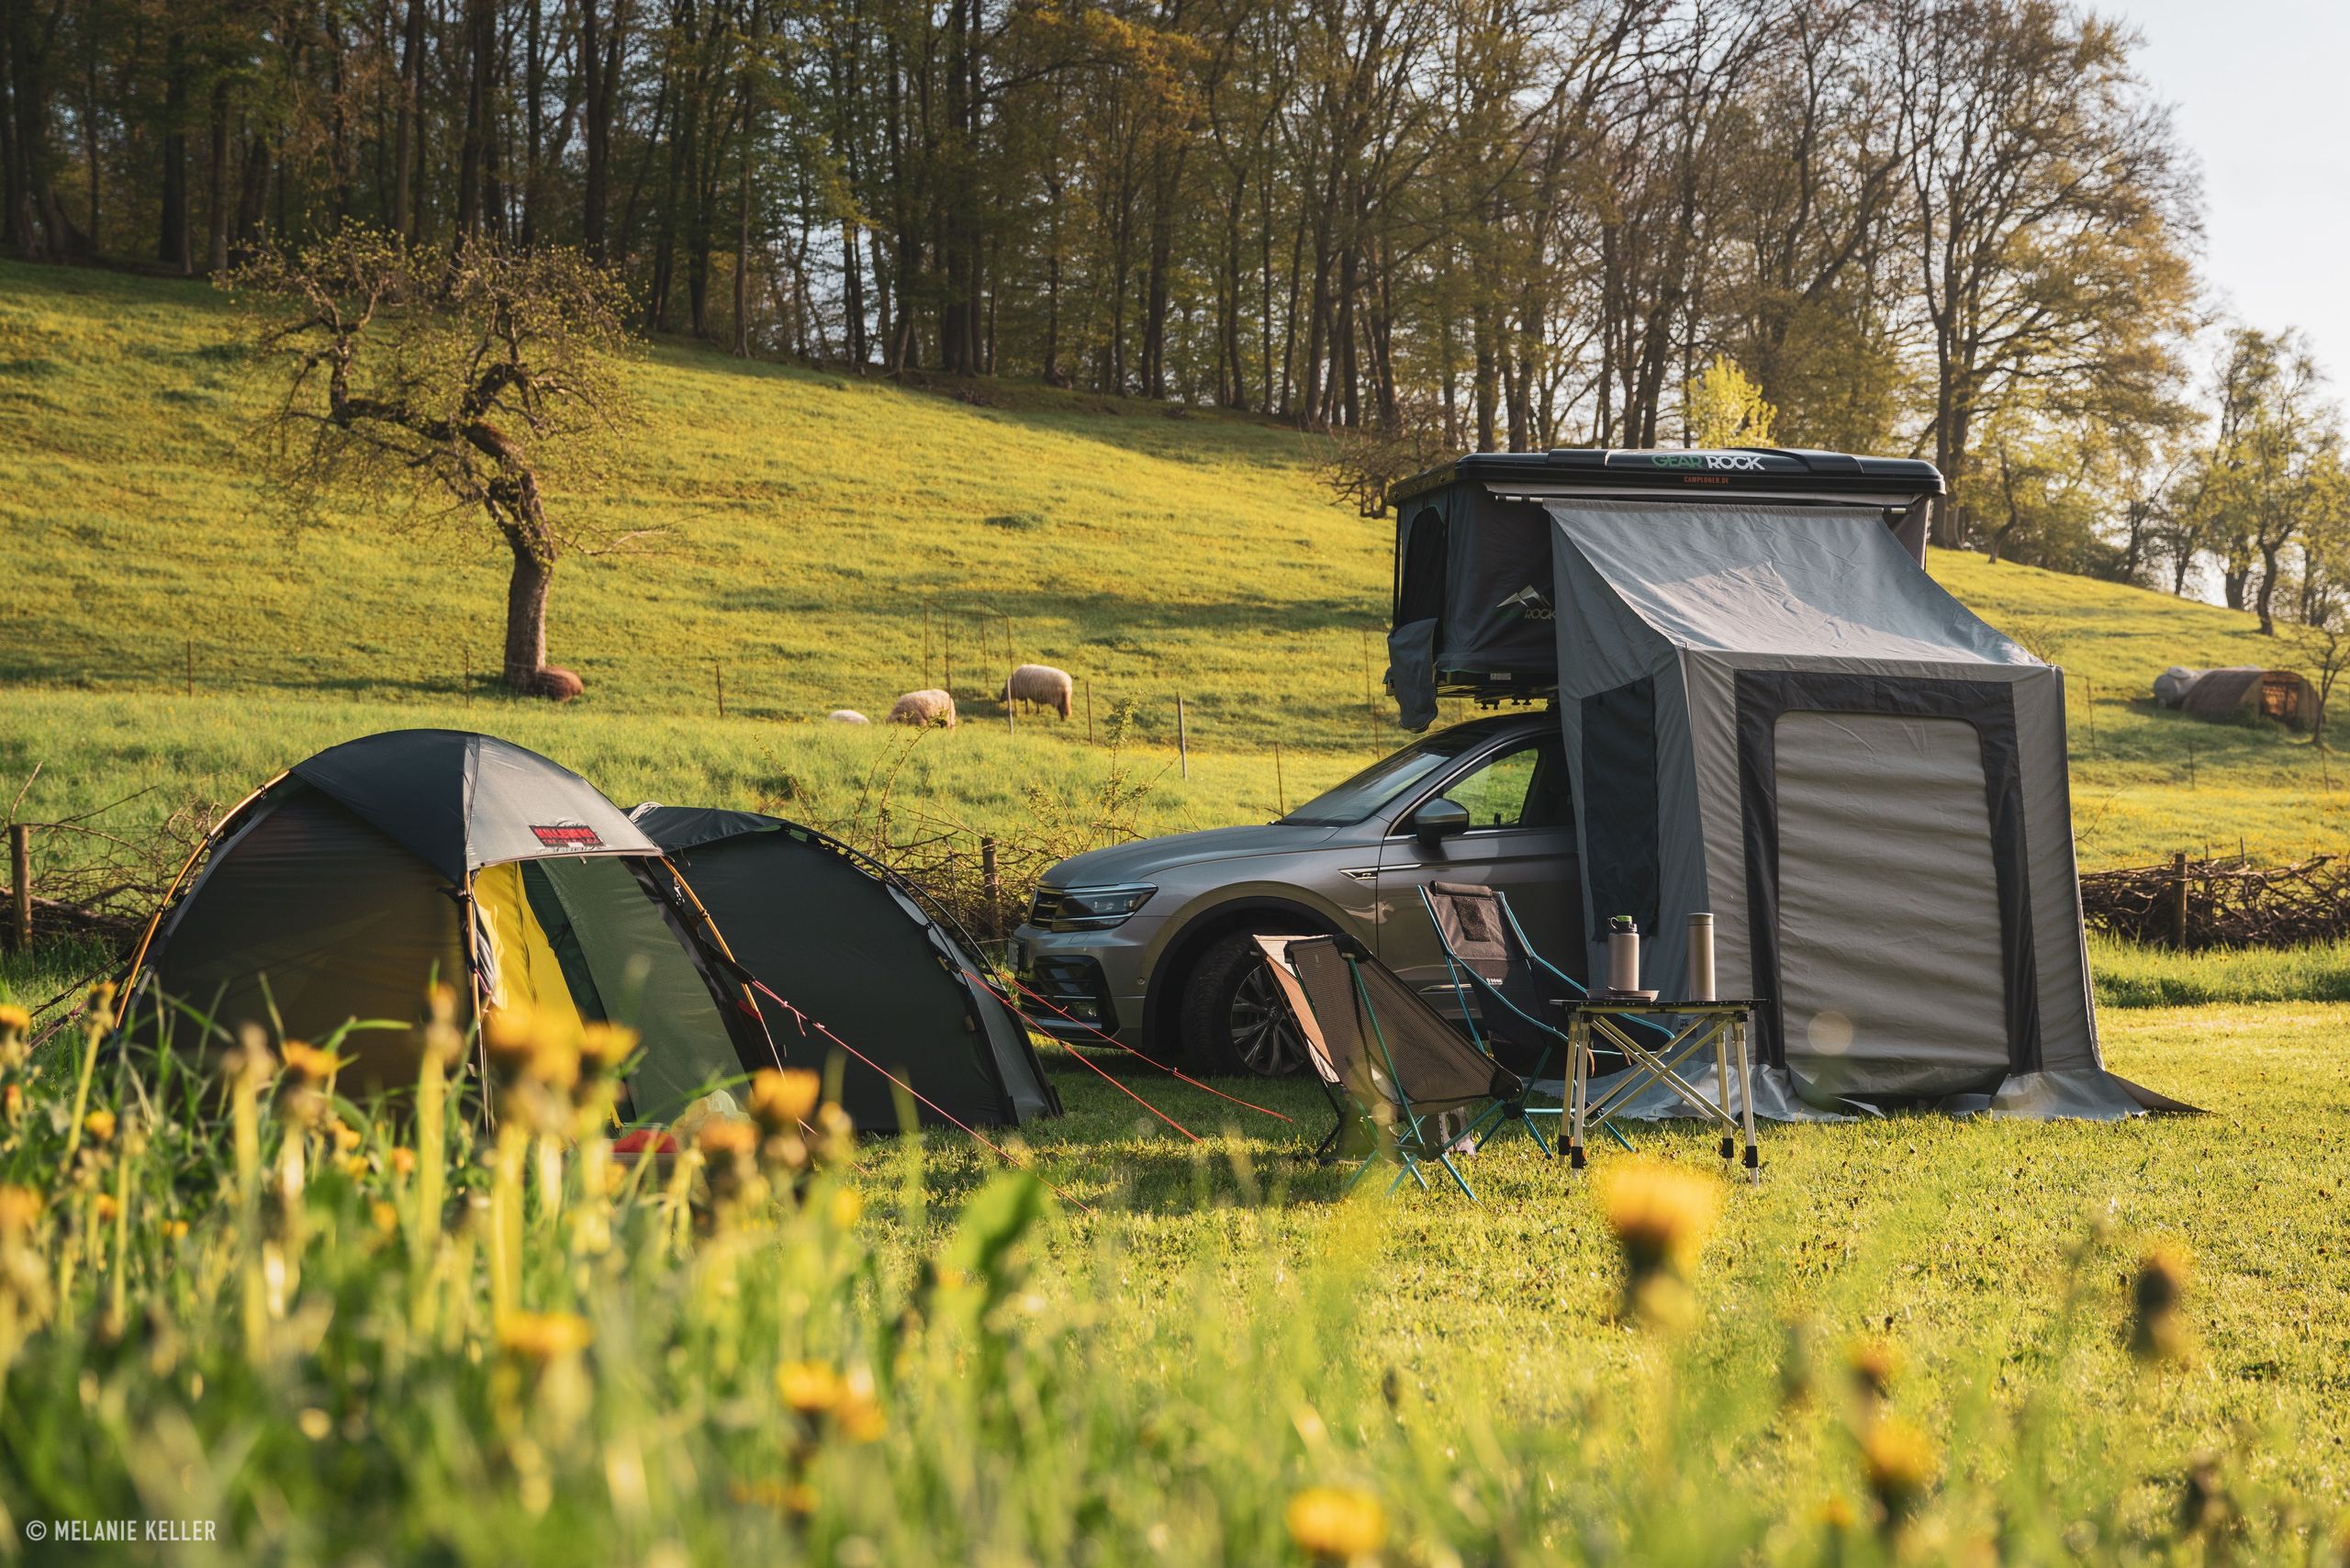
pixel 1772 714
pixel 340 889
pixel 848 947
pixel 1472 614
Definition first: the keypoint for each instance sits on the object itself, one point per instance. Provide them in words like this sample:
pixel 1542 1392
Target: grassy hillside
pixel 822 536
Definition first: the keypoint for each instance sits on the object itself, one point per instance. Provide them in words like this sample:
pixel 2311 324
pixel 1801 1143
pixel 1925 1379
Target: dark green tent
pixel 340 889
pixel 850 948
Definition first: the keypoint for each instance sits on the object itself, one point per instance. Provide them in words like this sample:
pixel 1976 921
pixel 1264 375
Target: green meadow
pixel 826 542
pixel 1911 1342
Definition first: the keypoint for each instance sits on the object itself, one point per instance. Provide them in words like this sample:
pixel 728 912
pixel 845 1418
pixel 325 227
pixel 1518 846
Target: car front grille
pixel 1045 908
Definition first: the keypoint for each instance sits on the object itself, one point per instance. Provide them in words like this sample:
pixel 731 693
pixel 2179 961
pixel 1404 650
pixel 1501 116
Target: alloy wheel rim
pixel 1261 1037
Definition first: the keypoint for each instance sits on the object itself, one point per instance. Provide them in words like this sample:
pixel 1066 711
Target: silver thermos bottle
pixel 1701 958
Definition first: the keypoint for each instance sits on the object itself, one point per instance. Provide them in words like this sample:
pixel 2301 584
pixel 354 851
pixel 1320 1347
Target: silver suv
pixel 1149 940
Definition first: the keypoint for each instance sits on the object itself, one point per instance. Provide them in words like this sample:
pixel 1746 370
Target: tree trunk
pixel 527 592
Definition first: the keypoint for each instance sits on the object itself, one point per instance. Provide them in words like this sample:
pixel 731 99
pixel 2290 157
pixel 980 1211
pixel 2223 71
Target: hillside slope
pixel 830 542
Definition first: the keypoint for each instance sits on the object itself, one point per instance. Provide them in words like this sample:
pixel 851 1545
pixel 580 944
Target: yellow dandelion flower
pixel 15 1019
pixel 175 1229
pixel 1897 1461
pixel 1337 1523
pixel 99 1125
pixel 2157 1298
pixel 1659 1215
pixel 1834 1513
pixel 604 1047
pixel 545 1336
pixel 105 1208
pixel 19 1210
pixel 1873 1364
pixel 308 1065
pixel 403 1162
pixel 782 1099
pixel 346 1137
pixel 355 1166
pixel 387 1218
pixel 810 1388
pixel 722 1137
pixel 848 1205
pixel 12 1101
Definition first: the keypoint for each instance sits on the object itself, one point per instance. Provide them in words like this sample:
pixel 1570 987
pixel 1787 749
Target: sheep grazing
pixel 923 707
pixel 1041 684
pixel 553 683
pixel 847 716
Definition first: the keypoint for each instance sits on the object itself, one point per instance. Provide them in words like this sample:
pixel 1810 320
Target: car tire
pixel 1234 1021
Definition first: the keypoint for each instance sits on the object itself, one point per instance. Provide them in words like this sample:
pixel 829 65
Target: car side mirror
pixel 1438 819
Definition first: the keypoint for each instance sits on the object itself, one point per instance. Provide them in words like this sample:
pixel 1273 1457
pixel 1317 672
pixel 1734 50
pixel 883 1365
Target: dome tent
pixel 849 947
pixel 342 888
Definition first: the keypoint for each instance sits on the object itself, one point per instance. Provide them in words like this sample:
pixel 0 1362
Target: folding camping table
pixel 1721 1024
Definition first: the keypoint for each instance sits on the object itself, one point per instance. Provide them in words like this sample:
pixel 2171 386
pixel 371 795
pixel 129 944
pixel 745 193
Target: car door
pixel 1521 839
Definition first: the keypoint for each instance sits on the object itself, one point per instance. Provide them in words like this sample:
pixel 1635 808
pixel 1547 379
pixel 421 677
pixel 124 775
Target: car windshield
pixel 1382 781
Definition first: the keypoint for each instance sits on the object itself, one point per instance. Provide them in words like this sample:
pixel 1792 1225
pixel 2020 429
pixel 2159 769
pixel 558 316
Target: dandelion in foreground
pixel 1873 1364
pixel 1659 1215
pixel 15 1021
pixel 1337 1523
pixel 1897 1461
pixel 810 1388
pixel 2158 1330
pixel 544 1337
pixel 99 1125
pixel 780 1100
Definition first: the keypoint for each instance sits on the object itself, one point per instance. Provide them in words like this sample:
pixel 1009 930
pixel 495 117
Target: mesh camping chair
pixel 1486 952
pixel 1394 1058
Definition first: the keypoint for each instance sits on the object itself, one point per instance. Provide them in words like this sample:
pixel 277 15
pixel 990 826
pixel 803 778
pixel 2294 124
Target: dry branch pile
pixel 2229 903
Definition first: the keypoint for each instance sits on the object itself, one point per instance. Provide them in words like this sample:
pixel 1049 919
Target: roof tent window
pixel 1419 592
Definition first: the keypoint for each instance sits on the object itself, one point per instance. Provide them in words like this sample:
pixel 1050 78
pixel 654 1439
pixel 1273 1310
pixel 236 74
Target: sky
pixel 2262 97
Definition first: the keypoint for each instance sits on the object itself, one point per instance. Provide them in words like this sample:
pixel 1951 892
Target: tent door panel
pixel 1889 922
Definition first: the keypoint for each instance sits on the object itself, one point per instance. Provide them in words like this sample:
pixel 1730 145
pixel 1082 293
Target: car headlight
pixel 1097 909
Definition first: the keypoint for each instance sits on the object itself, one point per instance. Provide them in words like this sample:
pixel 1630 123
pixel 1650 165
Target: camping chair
pixel 1486 952
pixel 1399 1065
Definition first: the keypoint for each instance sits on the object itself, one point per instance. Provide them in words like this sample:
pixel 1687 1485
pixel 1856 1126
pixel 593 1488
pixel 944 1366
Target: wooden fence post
pixel 20 886
pixel 992 884
pixel 1183 742
pixel 1281 793
pixel 2178 901
pixel 720 671
pixel 1089 712
pixel 191 666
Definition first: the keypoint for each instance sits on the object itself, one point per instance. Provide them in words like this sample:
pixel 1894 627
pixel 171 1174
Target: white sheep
pixel 847 716
pixel 1040 684
pixel 928 707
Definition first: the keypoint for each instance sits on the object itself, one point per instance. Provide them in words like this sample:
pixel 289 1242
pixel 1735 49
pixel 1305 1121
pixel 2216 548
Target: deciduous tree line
pixel 1961 228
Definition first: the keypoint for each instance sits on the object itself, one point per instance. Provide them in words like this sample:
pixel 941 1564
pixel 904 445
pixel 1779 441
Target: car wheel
pixel 1235 1019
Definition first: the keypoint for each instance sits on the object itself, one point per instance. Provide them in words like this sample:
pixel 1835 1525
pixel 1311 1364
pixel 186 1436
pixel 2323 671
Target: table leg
pixel 1721 1087
pixel 1746 1098
pixel 1579 1046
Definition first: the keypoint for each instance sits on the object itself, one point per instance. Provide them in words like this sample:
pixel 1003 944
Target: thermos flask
pixel 1623 955
pixel 1701 958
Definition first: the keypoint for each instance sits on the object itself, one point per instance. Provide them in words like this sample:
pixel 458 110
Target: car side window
pixel 1525 786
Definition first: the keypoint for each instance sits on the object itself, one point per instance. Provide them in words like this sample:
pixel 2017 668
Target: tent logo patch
pixel 567 835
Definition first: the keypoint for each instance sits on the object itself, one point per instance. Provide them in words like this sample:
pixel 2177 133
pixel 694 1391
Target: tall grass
pixel 233 1304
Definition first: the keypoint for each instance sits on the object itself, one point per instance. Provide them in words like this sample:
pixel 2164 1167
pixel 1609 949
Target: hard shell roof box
pixel 1472 614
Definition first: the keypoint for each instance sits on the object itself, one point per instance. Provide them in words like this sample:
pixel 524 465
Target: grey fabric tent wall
pixel 854 953
pixel 1842 755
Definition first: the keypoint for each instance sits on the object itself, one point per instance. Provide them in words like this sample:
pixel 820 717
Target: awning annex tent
pixel 848 949
pixel 342 889
pixel 1774 715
